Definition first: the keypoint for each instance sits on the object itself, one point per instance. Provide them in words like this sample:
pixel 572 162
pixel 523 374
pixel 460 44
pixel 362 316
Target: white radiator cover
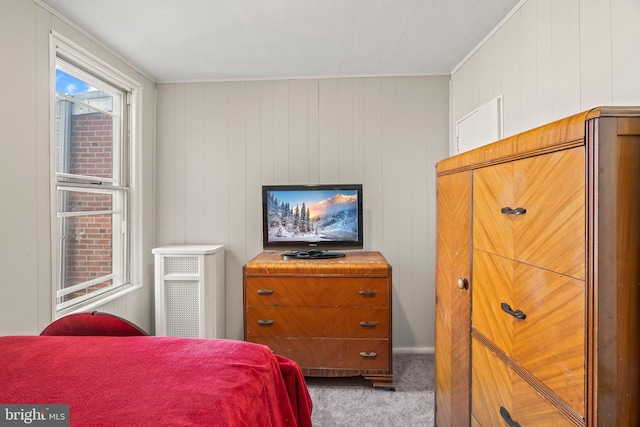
pixel 190 291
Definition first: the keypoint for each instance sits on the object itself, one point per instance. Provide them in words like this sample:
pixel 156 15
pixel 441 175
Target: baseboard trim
pixel 414 350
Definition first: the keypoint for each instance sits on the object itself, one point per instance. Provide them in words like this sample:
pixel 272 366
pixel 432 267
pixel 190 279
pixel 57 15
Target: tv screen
pixel 312 218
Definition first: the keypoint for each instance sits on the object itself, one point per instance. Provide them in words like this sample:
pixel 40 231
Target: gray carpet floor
pixel 350 402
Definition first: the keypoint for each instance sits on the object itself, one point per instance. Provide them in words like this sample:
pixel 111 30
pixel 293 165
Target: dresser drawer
pixel 500 394
pixel 551 189
pixel 326 353
pixel 359 322
pixel 313 291
pixel 549 340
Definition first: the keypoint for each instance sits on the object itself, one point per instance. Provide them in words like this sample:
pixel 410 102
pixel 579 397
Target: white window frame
pixel 62 48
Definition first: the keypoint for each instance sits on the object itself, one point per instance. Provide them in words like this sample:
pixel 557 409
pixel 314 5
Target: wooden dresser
pixel 332 316
pixel 538 277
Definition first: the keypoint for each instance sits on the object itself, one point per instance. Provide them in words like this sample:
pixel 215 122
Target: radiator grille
pixel 181 265
pixel 183 308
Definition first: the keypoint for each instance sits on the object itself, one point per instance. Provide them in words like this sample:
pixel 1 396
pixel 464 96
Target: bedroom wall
pixel 217 143
pixel 551 59
pixel 25 243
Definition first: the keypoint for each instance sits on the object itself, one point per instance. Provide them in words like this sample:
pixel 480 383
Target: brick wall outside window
pixel 89 248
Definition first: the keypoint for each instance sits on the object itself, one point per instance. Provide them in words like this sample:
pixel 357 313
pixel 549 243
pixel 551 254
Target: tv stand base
pixel 315 254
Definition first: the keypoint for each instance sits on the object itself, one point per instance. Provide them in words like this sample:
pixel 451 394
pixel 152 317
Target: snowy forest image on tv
pixel 312 215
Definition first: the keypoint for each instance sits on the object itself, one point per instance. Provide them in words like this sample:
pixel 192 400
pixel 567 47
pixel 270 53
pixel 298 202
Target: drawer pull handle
pixel 366 324
pixel 516 211
pixel 518 314
pixel 265 322
pixel 367 293
pixel 365 354
pixel 507 417
pixel 265 291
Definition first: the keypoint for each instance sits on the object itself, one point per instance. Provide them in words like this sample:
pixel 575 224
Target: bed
pixel 139 380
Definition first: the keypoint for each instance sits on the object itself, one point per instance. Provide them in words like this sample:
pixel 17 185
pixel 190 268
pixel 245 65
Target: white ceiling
pixel 209 40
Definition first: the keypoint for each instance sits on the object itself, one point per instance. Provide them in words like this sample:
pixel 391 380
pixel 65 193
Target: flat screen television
pixel 312 221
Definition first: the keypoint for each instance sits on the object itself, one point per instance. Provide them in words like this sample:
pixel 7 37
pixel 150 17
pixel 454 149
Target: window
pixel 92 199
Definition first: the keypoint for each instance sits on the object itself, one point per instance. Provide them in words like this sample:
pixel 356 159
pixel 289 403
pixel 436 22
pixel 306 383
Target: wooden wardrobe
pixel 538 277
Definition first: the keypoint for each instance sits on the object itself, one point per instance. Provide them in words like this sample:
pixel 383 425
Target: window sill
pixel 98 302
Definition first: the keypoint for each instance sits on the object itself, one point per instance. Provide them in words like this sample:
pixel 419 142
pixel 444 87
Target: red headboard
pixel 93 324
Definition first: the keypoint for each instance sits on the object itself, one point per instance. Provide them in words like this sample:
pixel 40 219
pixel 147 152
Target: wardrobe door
pixel 453 301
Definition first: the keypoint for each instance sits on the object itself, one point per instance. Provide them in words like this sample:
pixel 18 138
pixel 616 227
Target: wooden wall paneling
pixel 544 68
pixel 373 165
pixel 194 163
pixel 19 173
pixel 43 173
pixel 281 133
pixel 485 90
pixel 625 42
pixel 210 178
pixel 223 179
pixel 422 286
pixel 463 89
pixel 179 167
pixel 165 206
pixel 390 186
pixel 267 151
pixel 253 197
pixel 595 53
pixel 495 44
pixel 528 61
pixel 345 153
pixel 405 191
pixel 313 101
pixel 565 30
pixel 470 98
pixel 222 162
pixel 328 116
pixel 511 74
pixel 235 246
pixel 359 142
pixel 298 132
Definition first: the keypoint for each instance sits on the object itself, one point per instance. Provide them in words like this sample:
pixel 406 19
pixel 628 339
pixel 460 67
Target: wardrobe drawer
pixel 316 291
pixel 533 210
pixel 367 322
pixel 535 316
pixel 324 353
pixel 499 394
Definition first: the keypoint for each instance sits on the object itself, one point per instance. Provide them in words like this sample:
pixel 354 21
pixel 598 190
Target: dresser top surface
pixel 268 262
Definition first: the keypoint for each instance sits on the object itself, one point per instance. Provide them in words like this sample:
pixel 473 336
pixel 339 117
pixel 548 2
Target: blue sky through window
pixel 66 83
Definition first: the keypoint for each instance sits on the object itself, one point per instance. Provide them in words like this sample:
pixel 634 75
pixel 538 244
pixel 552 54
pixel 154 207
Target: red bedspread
pixel 154 381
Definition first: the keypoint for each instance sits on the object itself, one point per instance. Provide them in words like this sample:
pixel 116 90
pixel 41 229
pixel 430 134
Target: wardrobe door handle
pixel 265 291
pixel 367 293
pixel 518 314
pixel 507 417
pixel 265 322
pixel 516 211
pixel 366 324
pixel 463 283
pixel 365 354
